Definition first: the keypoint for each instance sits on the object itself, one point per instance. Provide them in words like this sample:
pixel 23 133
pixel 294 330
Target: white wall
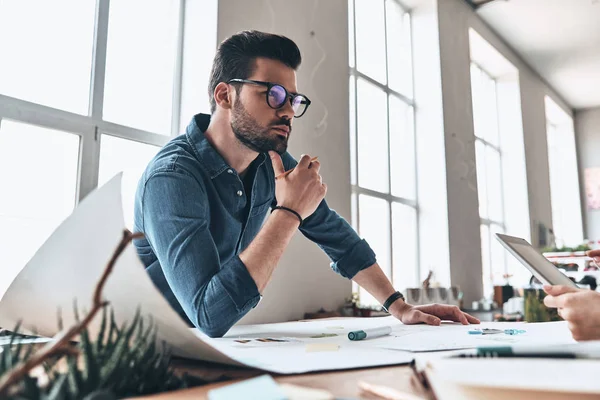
pixel 455 18
pixel 303 280
pixel 587 128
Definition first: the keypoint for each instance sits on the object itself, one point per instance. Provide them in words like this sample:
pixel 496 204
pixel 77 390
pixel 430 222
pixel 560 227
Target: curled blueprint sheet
pixel 68 265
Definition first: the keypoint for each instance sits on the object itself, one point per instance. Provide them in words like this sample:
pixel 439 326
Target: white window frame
pixel 91 127
pixel 489 223
pixel 357 189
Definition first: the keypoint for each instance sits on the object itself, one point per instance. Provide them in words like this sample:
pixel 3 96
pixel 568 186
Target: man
pixel 202 200
pixel 579 307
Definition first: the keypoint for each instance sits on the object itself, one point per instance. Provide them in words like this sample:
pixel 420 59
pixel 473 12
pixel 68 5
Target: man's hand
pixel 430 314
pixel 579 307
pixel 303 189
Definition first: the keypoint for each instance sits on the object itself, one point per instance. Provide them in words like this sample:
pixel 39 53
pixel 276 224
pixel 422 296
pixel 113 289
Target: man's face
pixel 255 124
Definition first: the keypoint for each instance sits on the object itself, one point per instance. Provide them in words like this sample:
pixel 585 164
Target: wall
pixel 303 281
pixel 455 18
pixel 587 128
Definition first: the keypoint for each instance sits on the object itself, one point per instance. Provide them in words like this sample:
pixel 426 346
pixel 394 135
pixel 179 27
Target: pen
pixel 487 331
pixel 370 333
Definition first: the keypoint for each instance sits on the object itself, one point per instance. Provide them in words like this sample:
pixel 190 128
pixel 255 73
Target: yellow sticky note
pixel 315 347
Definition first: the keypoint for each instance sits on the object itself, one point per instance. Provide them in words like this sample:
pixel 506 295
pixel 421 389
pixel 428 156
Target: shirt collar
pixel 209 158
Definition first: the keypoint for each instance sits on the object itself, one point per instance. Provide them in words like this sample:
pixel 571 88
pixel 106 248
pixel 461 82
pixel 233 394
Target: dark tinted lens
pixel 276 96
pixel 299 105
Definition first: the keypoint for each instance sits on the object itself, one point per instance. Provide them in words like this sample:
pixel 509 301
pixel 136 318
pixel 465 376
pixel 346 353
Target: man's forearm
pixel 374 281
pixel 265 251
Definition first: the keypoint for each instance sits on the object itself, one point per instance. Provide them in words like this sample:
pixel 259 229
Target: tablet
pixel 536 263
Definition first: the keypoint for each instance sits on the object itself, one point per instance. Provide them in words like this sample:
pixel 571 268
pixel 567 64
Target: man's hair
pixel 235 58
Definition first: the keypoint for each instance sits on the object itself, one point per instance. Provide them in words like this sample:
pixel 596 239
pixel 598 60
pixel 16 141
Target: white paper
pixel 502 374
pixel 421 338
pixel 70 263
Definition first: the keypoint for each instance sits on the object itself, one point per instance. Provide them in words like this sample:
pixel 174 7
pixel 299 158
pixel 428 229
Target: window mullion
pixel 99 60
pixel 178 72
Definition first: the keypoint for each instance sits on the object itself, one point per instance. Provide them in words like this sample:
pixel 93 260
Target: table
pixel 342 384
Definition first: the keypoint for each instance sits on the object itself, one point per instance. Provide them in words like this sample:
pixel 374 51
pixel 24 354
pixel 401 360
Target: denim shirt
pixel 194 212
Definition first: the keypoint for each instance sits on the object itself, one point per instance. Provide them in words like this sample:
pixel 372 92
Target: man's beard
pixel 254 136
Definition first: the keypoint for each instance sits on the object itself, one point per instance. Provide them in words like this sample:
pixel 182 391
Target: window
pixel 488 156
pixel 38 190
pixel 382 137
pixel 89 89
pixel 564 180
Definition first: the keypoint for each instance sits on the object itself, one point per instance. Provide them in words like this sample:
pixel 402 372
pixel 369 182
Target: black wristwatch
pixel 395 296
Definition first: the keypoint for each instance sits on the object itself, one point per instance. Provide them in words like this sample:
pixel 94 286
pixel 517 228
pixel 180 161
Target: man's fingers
pixel 277 163
pixel 472 319
pixel 460 317
pixel 428 318
pixel 304 161
pixel 557 290
pixel 315 165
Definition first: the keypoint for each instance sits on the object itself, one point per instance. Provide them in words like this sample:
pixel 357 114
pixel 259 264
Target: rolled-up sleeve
pixel 348 252
pixel 213 293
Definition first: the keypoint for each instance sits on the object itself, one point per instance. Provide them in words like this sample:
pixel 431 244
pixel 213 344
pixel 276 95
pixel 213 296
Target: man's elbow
pixel 214 331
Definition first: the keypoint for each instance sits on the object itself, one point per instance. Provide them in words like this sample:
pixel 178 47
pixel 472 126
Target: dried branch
pixel 58 347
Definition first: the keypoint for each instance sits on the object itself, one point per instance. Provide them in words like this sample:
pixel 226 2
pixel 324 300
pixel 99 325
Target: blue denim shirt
pixel 194 212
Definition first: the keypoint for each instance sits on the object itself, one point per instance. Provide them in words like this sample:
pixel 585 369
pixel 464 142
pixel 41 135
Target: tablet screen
pixel 536 263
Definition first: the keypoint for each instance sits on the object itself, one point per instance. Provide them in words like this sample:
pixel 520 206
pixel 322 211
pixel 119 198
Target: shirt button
pixel 230 171
pixel 240 193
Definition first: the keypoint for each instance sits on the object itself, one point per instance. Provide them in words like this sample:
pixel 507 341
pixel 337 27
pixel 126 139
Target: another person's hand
pixel 430 314
pixel 579 307
pixel 595 255
pixel 303 189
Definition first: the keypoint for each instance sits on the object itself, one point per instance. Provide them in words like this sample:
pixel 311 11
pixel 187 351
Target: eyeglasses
pixel 277 96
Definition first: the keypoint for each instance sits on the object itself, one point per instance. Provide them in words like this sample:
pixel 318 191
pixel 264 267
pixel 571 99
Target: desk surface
pixel 339 383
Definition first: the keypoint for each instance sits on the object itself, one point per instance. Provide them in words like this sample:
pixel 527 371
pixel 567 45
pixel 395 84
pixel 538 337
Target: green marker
pixel 370 333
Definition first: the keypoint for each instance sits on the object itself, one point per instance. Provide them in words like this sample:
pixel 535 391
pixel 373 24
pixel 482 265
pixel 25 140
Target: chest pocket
pixel 260 209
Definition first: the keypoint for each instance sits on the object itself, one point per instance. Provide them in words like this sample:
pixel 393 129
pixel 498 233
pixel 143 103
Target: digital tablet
pixel 536 263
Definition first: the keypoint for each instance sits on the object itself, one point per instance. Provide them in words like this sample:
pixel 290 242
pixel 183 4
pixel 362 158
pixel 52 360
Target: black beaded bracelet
pixel 289 210
pixel 395 296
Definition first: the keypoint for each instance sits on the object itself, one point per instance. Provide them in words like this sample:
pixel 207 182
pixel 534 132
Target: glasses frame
pixel 269 86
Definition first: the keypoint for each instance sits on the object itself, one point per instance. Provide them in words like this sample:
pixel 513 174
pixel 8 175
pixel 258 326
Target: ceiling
pixel 560 39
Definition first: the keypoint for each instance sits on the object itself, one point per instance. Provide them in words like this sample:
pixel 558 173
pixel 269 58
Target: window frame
pixel 356 188
pixel 91 127
pixel 488 222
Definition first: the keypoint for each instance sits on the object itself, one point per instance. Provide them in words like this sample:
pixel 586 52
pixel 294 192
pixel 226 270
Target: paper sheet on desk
pixel 422 338
pixel 69 264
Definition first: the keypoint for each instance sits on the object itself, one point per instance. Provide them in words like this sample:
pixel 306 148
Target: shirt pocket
pixel 260 209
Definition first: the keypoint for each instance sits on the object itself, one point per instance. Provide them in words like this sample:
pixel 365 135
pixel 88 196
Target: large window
pixel 489 176
pixel 89 89
pixel 382 137
pixel 564 180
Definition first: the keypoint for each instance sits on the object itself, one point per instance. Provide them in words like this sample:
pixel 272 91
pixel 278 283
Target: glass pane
pixel 131 157
pixel 351 49
pixel 38 195
pixel 491 110
pixel 374 218
pixel 482 189
pixel 486 262
pixel 402 149
pixel 478 102
pixel 498 256
pixel 46 52
pixel 494 184
pixel 399 48
pixel 370 38
pixel 353 130
pixel 372 137
pixel 140 64
pixel 404 234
